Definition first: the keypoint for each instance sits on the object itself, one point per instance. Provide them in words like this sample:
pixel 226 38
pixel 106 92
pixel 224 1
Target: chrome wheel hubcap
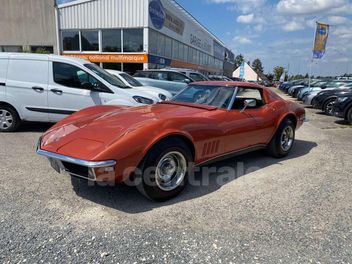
pixel 329 107
pixel 6 119
pixel 287 137
pixel 171 171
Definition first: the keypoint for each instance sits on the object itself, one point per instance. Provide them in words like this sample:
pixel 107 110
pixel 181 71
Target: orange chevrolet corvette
pixel 156 145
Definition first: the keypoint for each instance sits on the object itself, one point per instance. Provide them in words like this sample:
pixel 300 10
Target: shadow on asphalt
pixel 129 200
pixel 34 127
pixel 343 122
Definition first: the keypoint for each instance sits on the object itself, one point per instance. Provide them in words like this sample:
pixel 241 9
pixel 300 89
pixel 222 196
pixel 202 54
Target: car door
pixel 71 89
pixel 27 87
pixel 263 114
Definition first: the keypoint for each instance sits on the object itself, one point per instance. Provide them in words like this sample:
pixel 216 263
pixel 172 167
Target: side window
pixel 158 76
pixel 248 93
pixel 73 77
pixel 176 77
pixel 197 77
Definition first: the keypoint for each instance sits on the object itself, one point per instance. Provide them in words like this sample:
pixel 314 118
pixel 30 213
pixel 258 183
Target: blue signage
pixel 157 14
pixel 159 60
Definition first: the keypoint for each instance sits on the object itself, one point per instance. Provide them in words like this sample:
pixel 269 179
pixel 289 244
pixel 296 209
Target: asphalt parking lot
pixel 294 210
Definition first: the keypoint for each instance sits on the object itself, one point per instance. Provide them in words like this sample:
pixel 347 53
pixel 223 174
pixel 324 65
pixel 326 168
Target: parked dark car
pixel 343 106
pixel 326 98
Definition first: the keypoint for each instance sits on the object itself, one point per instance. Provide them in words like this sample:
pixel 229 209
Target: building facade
pixel 27 26
pixel 131 35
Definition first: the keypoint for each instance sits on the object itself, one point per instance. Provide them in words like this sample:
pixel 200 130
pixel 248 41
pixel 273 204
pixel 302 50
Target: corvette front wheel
pixel 163 173
pixel 282 142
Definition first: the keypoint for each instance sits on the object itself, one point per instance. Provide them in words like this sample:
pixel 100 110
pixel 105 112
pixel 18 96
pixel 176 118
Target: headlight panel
pixel 162 97
pixel 143 100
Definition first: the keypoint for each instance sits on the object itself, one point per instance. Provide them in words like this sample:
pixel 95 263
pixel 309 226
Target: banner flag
pixel 321 38
pixel 282 78
pixel 242 70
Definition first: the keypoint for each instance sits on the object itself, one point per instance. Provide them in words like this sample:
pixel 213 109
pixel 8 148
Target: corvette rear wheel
pixel 163 173
pixel 282 142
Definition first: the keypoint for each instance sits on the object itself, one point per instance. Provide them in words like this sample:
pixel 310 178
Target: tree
pixel 278 71
pixel 239 60
pixel 257 66
pixel 270 77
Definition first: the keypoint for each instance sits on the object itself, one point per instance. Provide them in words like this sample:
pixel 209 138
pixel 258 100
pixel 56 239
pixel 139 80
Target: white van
pixel 47 88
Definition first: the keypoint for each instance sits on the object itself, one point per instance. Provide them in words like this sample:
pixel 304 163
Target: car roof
pixel 114 71
pixel 43 57
pixel 228 83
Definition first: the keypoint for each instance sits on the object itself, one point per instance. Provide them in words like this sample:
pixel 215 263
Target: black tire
pixel 276 147
pixel 146 179
pixel 349 115
pixel 9 119
pixel 328 106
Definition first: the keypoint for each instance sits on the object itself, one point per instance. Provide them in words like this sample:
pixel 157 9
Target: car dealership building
pixel 131 35
pixel 126 35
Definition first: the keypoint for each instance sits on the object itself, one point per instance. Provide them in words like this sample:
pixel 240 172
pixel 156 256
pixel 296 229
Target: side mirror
pixel 188 81
pixel 249 103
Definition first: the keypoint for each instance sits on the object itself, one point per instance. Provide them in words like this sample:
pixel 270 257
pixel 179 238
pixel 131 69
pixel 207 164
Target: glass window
pixel 133 40
pixel 197 77
pixel 163 76
pixel 111 40
pixel 70 41
pixel 185 52
pixel 217 96
pixel 248 93
pixel 42 49
pixel 113 66
pixel 74 77
pixel 175 45
pixel 132 81
pixel 131 68
pixel 161 45
pixel 177 77
pixel 105 75
pixel 168 47
pixel 180 51
pixel 90 40
pixel 11 49
pixel 153 42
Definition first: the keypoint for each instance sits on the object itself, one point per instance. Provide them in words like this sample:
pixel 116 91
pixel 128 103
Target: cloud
pixel 242 40
pixel 245 6
pixel 246 19
pixel 293 26
pixel 308 7
pixel 337 20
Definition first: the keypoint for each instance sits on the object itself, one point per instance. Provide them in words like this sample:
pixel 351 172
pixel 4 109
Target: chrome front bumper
pixel 76 167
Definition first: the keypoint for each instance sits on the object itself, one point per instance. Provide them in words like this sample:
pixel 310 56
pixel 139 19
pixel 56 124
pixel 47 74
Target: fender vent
pixel 211 147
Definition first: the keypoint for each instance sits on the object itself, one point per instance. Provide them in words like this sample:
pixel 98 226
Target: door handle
pixel 38 89
pixel 56 91
pixel 2 84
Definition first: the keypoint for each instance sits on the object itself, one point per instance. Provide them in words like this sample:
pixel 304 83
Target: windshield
pixel 132 81
pixel 218 96
pixel 318 84
pixel 105 75
pixel 335 84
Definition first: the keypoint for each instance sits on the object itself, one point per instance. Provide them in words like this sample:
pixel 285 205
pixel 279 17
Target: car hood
pixel 84 136
pixel 136 92
pixel 154 90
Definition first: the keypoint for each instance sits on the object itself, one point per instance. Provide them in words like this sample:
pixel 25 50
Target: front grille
pixel 77 170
